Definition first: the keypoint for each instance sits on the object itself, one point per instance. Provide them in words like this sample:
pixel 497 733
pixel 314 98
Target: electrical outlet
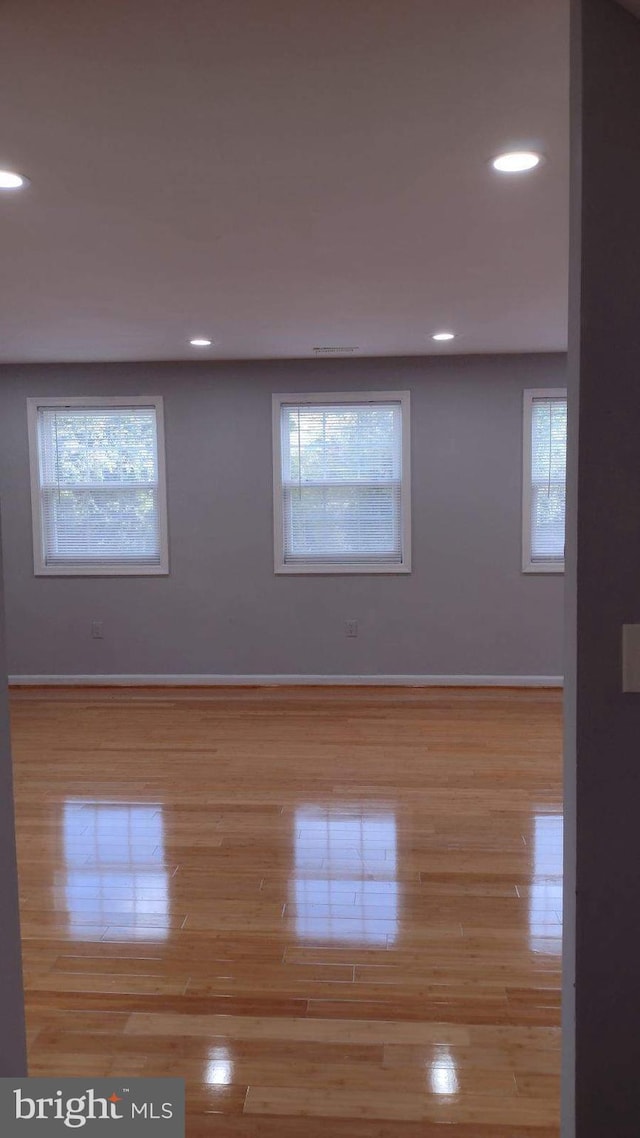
pixel 351 628
pixel 96 630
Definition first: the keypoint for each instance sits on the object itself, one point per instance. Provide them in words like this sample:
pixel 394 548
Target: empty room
pixel 290 377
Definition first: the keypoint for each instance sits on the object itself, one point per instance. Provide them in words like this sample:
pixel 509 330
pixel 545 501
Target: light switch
pixel 631 657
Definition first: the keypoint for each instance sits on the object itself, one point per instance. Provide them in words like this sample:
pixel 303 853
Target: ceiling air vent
pixel 331 351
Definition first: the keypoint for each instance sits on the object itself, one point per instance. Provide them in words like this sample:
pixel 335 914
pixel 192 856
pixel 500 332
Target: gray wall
pixel 13 1060
pixel 465 610
pixel 604 768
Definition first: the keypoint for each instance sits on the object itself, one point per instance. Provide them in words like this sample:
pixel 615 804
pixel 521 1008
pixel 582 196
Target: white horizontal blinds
pixel 548 478
pixel 99 485
pixel 342 482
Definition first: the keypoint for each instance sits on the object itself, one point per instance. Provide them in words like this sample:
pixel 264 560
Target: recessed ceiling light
pixel 200 342
pixel 516 161
pixel 442 336
pixel 9 180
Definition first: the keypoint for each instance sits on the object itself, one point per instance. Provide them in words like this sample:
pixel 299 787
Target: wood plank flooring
pixel 335 912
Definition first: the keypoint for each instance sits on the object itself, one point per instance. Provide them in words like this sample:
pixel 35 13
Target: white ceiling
pixel 281 174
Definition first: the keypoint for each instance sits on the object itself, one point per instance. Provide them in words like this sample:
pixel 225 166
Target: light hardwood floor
pixel 335 912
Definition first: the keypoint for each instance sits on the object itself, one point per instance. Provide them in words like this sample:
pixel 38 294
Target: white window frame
pixel 531 394
pixel 86 569
pixel 331 397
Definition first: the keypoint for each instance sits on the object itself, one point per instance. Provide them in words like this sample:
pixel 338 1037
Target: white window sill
pixel 543 567
pixel 325 568
pixel 80 570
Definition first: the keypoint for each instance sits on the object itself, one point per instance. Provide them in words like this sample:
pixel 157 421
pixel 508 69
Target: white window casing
pixel 98 486
pixel 342 483
pixel 544 480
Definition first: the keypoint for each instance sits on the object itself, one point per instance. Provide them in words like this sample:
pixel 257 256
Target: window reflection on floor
pixel 545 900
pixel 442 1073
pixel 344 885
pixel 219 1067
pixel 114 867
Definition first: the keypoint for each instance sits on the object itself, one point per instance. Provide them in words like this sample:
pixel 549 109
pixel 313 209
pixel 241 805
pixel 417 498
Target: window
pixel 341 483
pixel 97 486
pixel 545 453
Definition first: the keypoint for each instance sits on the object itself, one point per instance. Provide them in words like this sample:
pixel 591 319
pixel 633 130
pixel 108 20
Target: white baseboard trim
pixel 206 681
